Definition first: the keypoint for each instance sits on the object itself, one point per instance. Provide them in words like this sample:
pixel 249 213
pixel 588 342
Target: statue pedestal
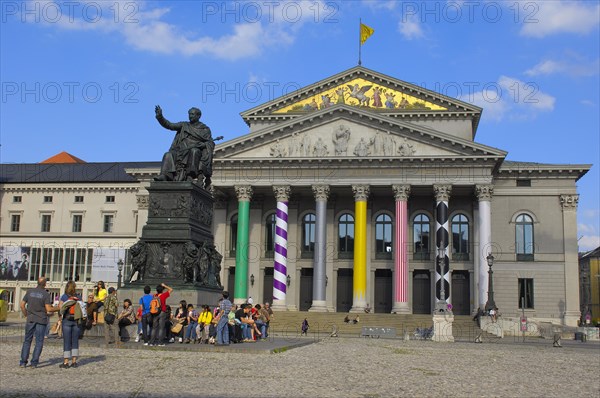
pixel 442 327
pixel 177 245
pixel 197 296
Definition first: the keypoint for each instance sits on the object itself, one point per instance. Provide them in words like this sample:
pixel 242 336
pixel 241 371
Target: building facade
pixel 364 190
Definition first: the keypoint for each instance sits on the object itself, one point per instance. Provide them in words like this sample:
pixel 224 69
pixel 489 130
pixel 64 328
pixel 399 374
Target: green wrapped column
pixel 244 194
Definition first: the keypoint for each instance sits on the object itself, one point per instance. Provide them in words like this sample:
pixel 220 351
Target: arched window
pixel 308 235
pixel 346 236
pixel 421 237
pixel 270 235
pixel 233 235
pixel 383 236
pixel 524 237
pixel 460 237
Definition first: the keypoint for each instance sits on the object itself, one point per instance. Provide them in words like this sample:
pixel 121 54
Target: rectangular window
pixel 526 293
pixel 77 222
pixel 15 223
pixel 46 220
pixel 78 199
pixel 17 199
pixel 523 183
pixel 47 199
pixel 110 199
pixel 108 222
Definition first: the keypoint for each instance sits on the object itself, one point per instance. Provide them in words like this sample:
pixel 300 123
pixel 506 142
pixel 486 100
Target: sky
pixel 84 76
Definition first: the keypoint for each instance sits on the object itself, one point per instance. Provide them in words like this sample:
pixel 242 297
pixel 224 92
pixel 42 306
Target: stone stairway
pixel 289 323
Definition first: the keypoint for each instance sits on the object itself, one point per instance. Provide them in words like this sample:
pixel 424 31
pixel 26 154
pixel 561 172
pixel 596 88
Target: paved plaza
pixel 330 367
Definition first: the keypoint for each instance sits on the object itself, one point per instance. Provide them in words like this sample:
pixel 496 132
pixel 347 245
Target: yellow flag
pixel 365 33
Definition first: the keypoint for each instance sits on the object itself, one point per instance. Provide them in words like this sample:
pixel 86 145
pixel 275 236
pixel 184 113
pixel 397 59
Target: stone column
pixel 569 210
pixel 484 195
pixel 282 194
pixel 359 301
pixel 319 303
pixel 244 194
pixel 401 193
pixel 442 274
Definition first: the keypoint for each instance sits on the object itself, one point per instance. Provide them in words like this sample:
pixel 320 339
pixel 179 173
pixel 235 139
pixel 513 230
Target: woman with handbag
pixel 125 318
pixel 180 320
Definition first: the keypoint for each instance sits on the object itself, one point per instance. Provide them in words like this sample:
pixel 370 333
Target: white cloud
pixel 587 103
pixel 388 5
pixel 585 228
pixel 588 242
pixel 147 30
pixel 512 98
pixel 553 17
pixel 563 66
pixel 410 27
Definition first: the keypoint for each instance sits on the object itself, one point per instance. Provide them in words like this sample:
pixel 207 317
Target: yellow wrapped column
pixel 359 302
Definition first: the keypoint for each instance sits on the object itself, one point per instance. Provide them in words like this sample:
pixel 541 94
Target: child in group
pixel 192 321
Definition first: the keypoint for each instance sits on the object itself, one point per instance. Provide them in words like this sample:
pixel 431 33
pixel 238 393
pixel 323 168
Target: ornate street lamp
pixel 490 304
pixel 289 280
pixel 252 279
pixel 441 305
pixel 120 268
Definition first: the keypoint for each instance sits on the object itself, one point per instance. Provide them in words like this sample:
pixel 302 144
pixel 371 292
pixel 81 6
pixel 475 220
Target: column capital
pixel 282 192
pixel 321 192
pixel 401 192
pixel 484 192
pixel 243 192
pixel 442 192
pixel 361 192
pixel 569 202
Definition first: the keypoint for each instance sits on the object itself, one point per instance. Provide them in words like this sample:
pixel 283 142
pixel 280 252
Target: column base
pixel 239 301
pixel 318 306
pixel 358 309
pixel 279 305
pixel 292 307
pixel 442 328
pixel 400 308
pixel 570 318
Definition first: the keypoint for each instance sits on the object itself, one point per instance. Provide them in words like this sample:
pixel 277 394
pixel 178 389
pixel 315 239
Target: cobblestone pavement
pixel 334 367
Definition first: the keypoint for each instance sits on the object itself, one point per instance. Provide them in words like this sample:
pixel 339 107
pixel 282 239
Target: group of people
pixel 226 324
pixel 157 323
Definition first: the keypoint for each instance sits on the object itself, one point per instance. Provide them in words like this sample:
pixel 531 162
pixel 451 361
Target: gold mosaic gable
pixel 361 93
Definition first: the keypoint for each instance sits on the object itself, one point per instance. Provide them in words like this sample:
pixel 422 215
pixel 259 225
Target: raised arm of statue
pixel 164 122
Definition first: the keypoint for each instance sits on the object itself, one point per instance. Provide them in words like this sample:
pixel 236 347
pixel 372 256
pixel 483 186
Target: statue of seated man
pixel 191 152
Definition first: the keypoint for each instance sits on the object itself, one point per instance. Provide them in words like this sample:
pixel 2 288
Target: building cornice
pixel 66 187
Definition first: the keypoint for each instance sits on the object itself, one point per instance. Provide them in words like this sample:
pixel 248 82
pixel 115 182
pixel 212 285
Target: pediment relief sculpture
pixel 344 144
pixel 362 93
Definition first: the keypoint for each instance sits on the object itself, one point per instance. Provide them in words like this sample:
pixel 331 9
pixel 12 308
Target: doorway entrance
pixel 344 289
pixel 383 291
pixel 421 292
pixel 461 293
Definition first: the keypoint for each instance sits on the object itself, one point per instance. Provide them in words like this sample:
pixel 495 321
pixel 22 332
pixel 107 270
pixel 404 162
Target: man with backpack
pixel 146 315
pixel 158 310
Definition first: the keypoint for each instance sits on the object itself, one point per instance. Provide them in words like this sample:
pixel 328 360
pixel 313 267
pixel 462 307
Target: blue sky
pixel 84 76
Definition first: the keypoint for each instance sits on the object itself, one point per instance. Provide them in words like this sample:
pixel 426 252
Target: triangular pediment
pixel 343 131
pixel 361 88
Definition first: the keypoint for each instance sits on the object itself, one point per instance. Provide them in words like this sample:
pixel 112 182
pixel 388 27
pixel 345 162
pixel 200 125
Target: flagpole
pixel 359 46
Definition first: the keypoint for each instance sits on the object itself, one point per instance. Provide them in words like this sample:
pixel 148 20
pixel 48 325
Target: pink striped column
pixel 401 193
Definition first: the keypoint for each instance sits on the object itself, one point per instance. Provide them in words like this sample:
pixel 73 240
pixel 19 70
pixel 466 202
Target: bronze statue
pixel 190 262
pixel 191 153
pixel 137 259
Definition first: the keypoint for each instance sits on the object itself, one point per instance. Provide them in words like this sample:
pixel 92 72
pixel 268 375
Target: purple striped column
pixel 282 194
